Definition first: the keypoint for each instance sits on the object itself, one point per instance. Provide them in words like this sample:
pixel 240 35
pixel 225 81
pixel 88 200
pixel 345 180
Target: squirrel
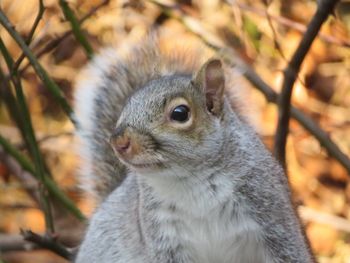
pixel 180 177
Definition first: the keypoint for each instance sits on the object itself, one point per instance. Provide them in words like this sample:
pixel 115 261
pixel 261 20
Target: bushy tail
pixel 102 89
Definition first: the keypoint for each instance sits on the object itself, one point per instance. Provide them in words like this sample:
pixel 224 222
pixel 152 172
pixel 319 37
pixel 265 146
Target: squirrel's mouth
pixel 145 166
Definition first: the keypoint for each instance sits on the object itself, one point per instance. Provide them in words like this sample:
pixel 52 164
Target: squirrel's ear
pixel 211 79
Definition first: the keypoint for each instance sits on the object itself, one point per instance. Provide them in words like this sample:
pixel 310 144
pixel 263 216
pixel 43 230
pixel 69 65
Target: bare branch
pixel 48 137
pixel 273 30
pixel 30 139
pixel 47 242
pixel 93 11
pixel 21 174
pixel 55 42
pixel 49 183
pixel 14 243
pixel 49 83
pixel 324 9
pixel 79 35
pixel 304 120
pixel 8 97
pixel 295 25
pixel 31 34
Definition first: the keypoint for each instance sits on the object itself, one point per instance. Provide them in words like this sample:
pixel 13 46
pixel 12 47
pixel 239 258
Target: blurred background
pixel 263 33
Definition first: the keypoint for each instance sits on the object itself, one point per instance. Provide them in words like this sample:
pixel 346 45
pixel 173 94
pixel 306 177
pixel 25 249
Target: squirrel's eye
pixel 181 113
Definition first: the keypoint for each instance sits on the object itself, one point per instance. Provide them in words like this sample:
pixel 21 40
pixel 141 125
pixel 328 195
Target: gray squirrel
pixel 178 175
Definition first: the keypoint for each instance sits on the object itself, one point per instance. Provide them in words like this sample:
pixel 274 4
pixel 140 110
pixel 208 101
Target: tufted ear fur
pixel 211 79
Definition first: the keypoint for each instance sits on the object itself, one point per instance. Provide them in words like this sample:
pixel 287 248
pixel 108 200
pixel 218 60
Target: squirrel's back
pixel 103 88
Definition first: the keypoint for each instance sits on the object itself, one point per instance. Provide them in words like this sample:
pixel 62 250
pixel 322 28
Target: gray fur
pixel 215 195
pixel 102 90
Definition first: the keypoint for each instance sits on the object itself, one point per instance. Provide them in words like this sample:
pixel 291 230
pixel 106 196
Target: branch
pixel 24 176
pixel 93 11
pixel 31 34
pixel 304 120
pixel 55 42
pixel 49 83
pixel 69 15
pixel 8 97
pixel 45 138
pixel 49 183
pixel 14 243
pixel 232 58
pixel 28 134
pixel 324 9
pixel 47 242
pixel 273 30
pixel 10 242
pixel 293 24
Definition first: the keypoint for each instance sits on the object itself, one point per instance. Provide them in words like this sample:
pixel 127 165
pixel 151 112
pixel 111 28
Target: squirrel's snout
pixel 122 144
pixel 121 141
pixel 134 148
pixel 125 143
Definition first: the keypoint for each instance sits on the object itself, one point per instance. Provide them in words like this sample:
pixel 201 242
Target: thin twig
pixel 45 138
pixel 304 120
pixel 49 183
pixel 31 34
pixel 324 9
pixel 47 242
pixel 30 139
pixel 257 82
pixel 46 79
pixel 19 206
pixel 21 159
pixel 79 35
pixel 36 154
pixel 269 18
pixel 24 176
pixel 14 243
pixel 273 30
pixel 293 24
pixel 55 42
pixel 7 91
pixel 8 98
pixel 93 11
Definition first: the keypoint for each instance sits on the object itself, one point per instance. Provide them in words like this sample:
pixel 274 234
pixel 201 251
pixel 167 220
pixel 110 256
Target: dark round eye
pixel 181 113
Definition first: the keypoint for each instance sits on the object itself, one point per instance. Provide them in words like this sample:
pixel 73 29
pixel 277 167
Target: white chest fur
pixel 219 237
pixel 210 226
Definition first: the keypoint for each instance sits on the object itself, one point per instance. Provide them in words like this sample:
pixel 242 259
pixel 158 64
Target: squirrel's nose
pixel 122 144
pixel 120 141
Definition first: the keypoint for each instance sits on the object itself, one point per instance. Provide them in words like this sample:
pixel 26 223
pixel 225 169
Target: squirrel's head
pixel 173 121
